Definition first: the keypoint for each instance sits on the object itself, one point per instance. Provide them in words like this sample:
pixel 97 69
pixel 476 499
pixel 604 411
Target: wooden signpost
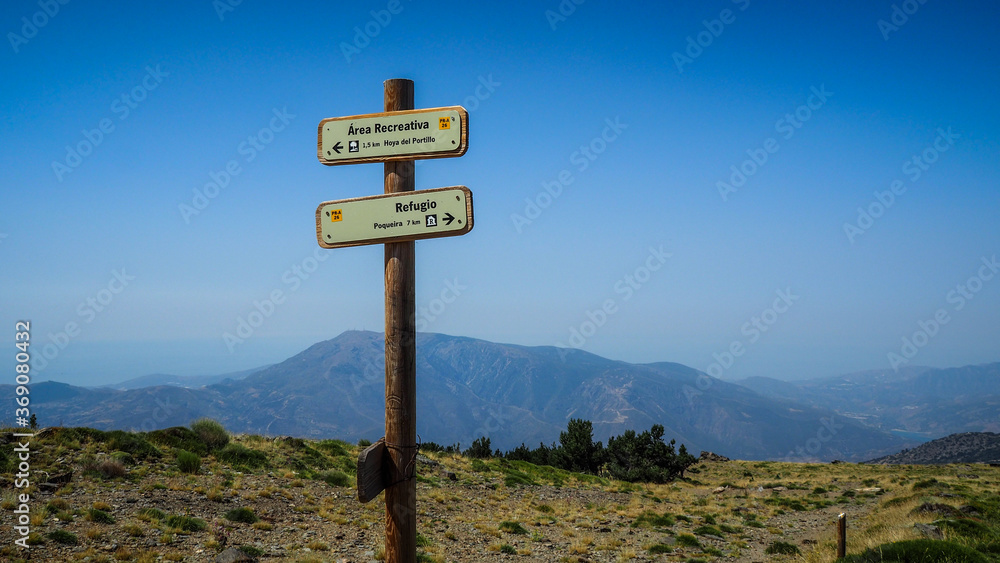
pixel 396 219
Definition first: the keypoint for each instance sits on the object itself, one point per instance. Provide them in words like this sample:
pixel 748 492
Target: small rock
pixel 968 476
pixel 710 456
pixel 719 489
pixel 969 510
pixel 937 508
pixel 932 532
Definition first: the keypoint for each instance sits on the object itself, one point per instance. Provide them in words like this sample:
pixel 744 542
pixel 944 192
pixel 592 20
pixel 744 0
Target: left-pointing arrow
pixel 337 147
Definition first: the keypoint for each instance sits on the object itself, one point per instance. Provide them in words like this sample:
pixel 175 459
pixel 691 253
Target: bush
pixel 131 443
pixel 237 454
pixel 688 540
pixel 508 549
pixel 151 514
pixel 919 551
pixel 185 523
pixel 179 437
pixel 650 518
pixel 63 537
pixel 188 462
pixel 782 548
pixel 124 458
pixel 251 550
pixel 513 528
pixel 211 433
pixel 107 469
pixel 99 516
pixel 660 548
pixel 335 478
pixel 243 515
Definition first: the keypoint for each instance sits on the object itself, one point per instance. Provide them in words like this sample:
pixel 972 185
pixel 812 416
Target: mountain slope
pixel 917 400
pixel 469 388
pixel 968 447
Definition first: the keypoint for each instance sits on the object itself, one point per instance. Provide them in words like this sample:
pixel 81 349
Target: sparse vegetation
pixel 211 433
pixel 265 486
pixel 188 462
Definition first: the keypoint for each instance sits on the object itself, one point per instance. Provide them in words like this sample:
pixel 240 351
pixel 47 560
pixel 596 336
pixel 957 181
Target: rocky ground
pixel 467 510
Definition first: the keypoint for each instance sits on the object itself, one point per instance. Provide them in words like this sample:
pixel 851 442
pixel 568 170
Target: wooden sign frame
pixel 460 150
pixel 466 222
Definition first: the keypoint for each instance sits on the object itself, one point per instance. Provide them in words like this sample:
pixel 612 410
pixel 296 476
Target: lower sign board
pixel 441 212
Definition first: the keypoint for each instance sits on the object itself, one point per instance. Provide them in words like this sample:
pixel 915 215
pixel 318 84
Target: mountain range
pixel 467 388
pixel 918 403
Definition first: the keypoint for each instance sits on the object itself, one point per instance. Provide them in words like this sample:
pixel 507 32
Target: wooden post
pixel 400 363
pixel 841 536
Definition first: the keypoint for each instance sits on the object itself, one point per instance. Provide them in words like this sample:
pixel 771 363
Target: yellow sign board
pixel 396 135
pixel 441 212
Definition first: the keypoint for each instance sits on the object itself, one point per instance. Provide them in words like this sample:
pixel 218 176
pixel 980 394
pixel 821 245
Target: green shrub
pixel 660 548
pixel 123 458
pixel 179 437
pixel 545 509
pixel 517 478
pixel 133 444
pixel 513 527
pixel 924 484
pixel 362 443
pixel 423 541
pixel 185 523
pixel 238 455
pixel 919 551
pixel 707 531
pixel 188 462
pixel 99 516
pixel 782 548
pixel 650 518
pixel 63 537
pixel 251 550
pixel 152 513
pixel 243 515
pixel 335 478
pixel 688 540
pixel 211 433
pixel 508 549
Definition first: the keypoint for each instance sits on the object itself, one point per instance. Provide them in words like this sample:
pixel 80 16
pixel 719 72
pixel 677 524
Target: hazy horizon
pixel 811 189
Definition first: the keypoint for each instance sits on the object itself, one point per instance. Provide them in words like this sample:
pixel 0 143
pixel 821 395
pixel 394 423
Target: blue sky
pixel 634 116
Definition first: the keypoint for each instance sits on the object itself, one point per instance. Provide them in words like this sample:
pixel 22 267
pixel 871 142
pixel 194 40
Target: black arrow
pixel 448 218
pixel 337 147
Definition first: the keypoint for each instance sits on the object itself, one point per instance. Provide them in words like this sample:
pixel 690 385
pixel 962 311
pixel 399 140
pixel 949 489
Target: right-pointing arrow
pixel 448 218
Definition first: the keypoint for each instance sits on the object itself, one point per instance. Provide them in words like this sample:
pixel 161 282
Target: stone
pixel 932 532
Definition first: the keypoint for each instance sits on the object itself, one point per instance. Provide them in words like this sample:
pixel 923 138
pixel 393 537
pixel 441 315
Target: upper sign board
pixel 441 212
pixel 394 135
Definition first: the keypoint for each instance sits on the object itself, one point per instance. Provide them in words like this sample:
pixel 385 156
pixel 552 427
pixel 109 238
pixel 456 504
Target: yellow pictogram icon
pixel 336 215
pixel 444 123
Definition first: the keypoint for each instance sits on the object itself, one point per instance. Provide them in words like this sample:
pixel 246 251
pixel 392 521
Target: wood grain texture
pixel 371 471
pixel 400 360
